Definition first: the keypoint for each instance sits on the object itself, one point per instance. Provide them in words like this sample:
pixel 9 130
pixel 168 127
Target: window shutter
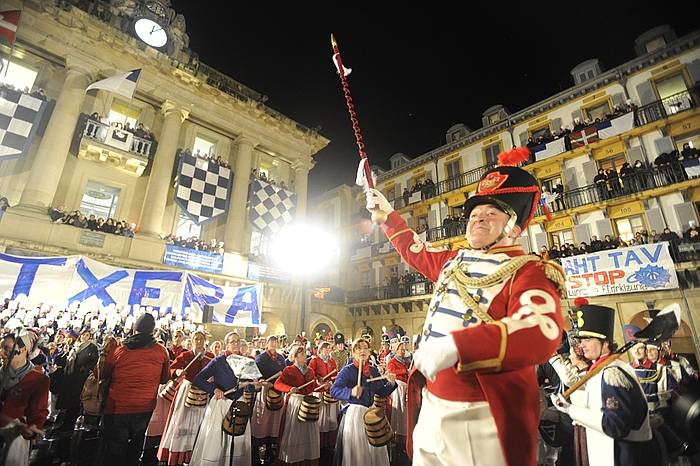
pixel 664 145
pixel 645 93
pixel 576 114
pixel 618 99
pixel 694 70
pixel 582 233
pixel 541 240
pixel 656 220
pixel 556 125
pixel 590 170
pixel 604 228
pixel 635 153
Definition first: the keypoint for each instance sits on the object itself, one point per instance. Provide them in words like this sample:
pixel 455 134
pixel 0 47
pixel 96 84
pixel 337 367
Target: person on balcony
pixel 613 182
pixel 627 176
pixel 601 183
pixel 558 190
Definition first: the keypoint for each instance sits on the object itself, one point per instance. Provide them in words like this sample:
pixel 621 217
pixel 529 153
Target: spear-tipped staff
pixel 378 216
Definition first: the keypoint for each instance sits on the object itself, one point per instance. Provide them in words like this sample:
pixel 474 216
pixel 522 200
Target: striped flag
pixel 9 20
pixel 122 84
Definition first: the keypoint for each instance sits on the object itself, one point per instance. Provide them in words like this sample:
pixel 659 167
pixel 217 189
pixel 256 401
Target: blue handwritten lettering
pixel 27 273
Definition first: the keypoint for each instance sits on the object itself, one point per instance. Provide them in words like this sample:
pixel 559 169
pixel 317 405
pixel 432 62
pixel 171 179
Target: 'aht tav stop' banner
pixel 60 281
pixel 648 267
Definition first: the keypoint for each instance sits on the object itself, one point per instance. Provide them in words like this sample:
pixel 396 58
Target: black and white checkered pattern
pixel 19 116
pixel 203 188
pixel 271 207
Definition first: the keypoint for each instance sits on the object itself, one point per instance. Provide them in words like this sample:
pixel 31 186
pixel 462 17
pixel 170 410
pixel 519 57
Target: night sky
pixel 416 71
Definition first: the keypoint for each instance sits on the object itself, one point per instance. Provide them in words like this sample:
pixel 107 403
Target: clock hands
pixel 156 28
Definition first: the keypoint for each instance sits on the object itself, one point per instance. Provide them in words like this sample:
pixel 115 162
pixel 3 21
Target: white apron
pixel 356 447
pixel 181 429
pixel 398 409
pixel 159 417
pixel 264 423
pixel 17 448
pixel 213 445
pixel 328 415
pixel 300 440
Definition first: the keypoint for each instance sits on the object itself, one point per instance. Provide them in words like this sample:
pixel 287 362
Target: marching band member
pixel 323 364
pixel 399 365
pixel 183 421
pixel 613 409
pixel 494 315
pixel 264 423
pixel 299 441
pixel 213 446
pixel 24 397
pixel 352 447
pixel 340 353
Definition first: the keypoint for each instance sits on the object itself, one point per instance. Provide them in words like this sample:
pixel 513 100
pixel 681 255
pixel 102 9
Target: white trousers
pixel 455 433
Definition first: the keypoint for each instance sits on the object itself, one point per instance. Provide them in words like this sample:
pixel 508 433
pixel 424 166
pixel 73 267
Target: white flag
pixel 122 84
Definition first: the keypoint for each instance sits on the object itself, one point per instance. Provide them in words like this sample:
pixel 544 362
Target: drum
pixel 243 411
pixel 310 408
pixel 327 398
pixel 196 397
pixel 168 392
pixel 379 402
pixel 377 427
pixel 273 400
pixel 249 397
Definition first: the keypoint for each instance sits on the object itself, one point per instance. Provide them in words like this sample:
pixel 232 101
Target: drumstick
pixel 196 356
pixel 376 378
pixel 306 384
pixel 237 387
pixel 273 376
pixel 329 374
pixel 359 371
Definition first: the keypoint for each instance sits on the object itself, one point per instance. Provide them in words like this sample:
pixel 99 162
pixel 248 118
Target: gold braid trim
pixel 504 272
pixel 555 273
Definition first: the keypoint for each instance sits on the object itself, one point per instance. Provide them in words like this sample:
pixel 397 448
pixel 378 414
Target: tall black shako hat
pixel 593 321
pixel 339 338
pixel 510 188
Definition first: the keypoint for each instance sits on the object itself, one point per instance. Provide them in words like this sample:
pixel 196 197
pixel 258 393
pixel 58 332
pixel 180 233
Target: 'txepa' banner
pixel 60 281
pixel 648 267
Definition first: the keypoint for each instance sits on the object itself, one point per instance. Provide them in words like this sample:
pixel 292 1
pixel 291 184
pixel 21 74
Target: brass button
pixel 426 333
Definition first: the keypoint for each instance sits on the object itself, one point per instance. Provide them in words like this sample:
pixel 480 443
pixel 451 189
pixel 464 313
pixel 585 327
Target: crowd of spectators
pixel 426 188
pixel 217 159
pixel 90 222
pixel 38 92
pixel 260 175
pixel 140 131
pixel 193 242
pixel 400 286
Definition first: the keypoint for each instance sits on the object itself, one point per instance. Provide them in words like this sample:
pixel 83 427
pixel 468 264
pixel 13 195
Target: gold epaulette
pixel 555 273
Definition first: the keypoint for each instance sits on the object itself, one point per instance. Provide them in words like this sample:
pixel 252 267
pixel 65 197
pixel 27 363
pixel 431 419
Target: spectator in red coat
pixel 136 369
pixel 323 364
pixel 399 364
pixel 24 397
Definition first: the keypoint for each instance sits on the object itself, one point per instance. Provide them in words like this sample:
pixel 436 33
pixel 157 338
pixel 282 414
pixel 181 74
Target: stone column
pixel 50 158
pixel 301 168
pixel 236 218
pixel 160 179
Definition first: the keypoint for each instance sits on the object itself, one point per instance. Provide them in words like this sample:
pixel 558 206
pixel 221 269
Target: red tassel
pixel 580 301
pixel 513 157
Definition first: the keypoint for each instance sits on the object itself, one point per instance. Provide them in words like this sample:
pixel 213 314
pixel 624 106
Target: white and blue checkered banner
pixel 271 207
pixel 20 115
pixel 203 188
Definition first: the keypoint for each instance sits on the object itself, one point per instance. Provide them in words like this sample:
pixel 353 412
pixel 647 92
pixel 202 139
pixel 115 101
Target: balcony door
pixel 100 200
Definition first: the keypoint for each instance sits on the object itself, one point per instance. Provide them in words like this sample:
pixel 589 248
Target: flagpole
pixel 378 216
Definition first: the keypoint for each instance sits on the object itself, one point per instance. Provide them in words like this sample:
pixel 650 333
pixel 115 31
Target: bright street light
pixel 304 249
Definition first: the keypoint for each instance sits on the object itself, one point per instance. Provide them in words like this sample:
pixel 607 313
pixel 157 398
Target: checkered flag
pixel 20 115
pixel 203 188
pixel 271 207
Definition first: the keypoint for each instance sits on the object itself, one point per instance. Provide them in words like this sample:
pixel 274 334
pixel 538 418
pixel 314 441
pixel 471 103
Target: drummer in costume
pixel 323 364
pixel 340 353
pixel 352 446
pixel 399 365
pixel 612 409
pixel 183 420
pixel 265 423
pixel 213 446
pixel 299 440
pixel 494 315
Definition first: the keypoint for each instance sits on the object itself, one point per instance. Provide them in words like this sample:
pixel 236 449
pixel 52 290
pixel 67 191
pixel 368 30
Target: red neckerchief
pixel 365 367
pixel 227 353
pixel 272 355
pixel 599 361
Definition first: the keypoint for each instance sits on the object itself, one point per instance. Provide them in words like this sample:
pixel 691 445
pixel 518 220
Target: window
pixel 204 146
pixel 628 226
pixel 422 222
pixel 491 153
pixel 453 168
pixel 672 91
pixel 17 76
pixel 560 237
pixel 597 111
pixel 615 162
pixel 590 74
pixel 535 134
pixel 693 141
pixel 582 77
pixel 186 228
pixel 100 200
pixel 655 44
pixel 364 279
pixel 122 112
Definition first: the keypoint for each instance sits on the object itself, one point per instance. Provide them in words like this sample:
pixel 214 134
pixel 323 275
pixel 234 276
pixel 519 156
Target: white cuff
pixel 587 418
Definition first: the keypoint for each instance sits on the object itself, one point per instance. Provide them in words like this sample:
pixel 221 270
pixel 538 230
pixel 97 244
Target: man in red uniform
pixel 135 369
pixel 494 315
pixel 24 398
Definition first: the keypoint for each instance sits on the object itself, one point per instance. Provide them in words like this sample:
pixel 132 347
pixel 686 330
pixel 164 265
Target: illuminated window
pixel 560 237
pixel 122 112
pixel 535 134
pixel 204 146
pixel 671 85
pixel 615 162
pixel 453 168
pixel 597 111
pixel 100 200
pixel 17 76
pixel 186 228
pixel 628 226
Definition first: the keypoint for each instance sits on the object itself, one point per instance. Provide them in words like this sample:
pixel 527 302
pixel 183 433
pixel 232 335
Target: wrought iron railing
pixel 668 106
pixel 394 291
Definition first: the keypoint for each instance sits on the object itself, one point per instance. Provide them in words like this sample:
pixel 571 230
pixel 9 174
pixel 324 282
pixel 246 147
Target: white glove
pixel 560 403
pixel 376 199
pixel 436 355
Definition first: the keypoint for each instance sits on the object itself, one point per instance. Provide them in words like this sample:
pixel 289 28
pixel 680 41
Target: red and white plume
pixel 513 157
pixel 346 71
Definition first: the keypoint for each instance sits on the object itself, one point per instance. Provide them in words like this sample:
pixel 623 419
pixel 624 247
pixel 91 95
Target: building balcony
pixel 398 291
pixel 101 142
pixel 366 251
pixel 643 116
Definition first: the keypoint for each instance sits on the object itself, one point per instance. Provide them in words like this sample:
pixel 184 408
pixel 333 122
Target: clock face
pixel 151 32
